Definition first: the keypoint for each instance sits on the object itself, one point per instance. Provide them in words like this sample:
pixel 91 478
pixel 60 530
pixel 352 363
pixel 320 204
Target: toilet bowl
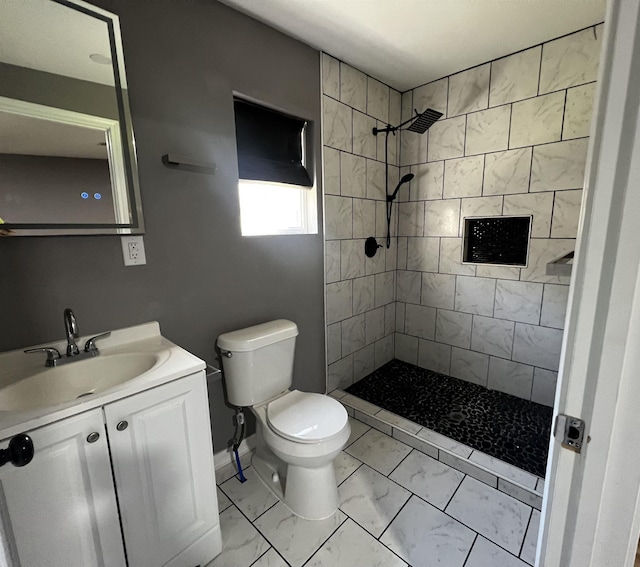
pixel 299 434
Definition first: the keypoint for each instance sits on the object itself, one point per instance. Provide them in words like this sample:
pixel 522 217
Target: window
pixel 277 194
pixel 276 208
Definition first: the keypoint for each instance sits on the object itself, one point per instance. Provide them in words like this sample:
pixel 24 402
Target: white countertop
pixel 174 362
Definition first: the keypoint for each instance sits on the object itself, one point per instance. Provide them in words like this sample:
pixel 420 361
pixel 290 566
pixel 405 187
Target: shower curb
pixel 515 482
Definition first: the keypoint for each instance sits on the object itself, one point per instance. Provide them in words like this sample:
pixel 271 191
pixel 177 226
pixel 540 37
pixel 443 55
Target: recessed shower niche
pixel 500 241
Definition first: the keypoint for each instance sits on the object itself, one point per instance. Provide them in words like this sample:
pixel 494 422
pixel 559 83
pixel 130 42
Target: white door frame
pixel 590 514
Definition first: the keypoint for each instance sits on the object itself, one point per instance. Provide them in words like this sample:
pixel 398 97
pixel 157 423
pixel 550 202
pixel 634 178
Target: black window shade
pixel 497 240
pixel 269 145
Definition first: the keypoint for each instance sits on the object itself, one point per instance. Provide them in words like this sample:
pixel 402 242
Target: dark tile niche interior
pixel 511 429
pixel 496 240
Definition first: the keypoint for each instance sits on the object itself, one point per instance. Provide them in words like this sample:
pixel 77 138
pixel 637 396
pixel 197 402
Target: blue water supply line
pixel 237 439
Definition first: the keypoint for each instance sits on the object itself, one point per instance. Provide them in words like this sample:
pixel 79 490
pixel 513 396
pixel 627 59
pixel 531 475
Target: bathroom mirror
pixel 67 154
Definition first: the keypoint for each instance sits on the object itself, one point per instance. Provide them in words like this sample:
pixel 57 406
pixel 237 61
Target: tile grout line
pixel 397 514
pixel 270 548
pixel 412 449
pixel 446 513
pixel 326 540
pixel 525 534
pixel 370 534
pixel 475 539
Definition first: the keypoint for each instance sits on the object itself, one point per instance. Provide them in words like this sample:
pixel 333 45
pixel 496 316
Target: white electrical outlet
pixel 133 250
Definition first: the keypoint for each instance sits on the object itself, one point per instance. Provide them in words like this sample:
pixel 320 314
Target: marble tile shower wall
pixel 512 141
pixel 359 290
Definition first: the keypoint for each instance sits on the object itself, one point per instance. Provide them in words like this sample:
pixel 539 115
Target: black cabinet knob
pixel 20 451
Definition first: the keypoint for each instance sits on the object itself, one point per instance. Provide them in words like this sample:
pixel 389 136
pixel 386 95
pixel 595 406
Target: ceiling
pixel 28 135
pixel 46 36
pixel 406 43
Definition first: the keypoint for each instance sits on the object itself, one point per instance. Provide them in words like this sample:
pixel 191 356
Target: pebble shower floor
pixel 511 429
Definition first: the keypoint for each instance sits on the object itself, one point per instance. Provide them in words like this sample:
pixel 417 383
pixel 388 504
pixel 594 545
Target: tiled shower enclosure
pixel 512 141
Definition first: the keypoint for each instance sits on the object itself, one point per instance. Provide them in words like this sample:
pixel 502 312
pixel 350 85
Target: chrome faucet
pixel 71 328
pixel 54 358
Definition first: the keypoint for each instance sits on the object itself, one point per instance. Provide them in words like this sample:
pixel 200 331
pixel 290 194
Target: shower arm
pixel 388 128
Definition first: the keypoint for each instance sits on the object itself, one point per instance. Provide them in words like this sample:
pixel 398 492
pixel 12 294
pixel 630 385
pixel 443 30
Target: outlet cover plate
pixel 133 250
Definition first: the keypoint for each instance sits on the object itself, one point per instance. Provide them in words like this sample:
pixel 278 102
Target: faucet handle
pixel 90 345
pixel 53 354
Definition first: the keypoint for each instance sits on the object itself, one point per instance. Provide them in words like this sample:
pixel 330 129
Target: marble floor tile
pixel 271 559
pixel 495 515
pixel 345 465
pixel 487 554
pixel 338 394
pixel 379 451
pixel 504 469
pixel 371 499
pixel 252 496
pixel 530 544
pixel 530 498
pixel 351 546
pixel 444 442
pixel 416 443
pixel 424 536
pixel 357 403
pixel 223 501
pixel 230 469
pixel 294 538
pixel 398 421
pixel 358 429
pixel 466 467
pixel 432 480
pixel 373 422
pixel 242 544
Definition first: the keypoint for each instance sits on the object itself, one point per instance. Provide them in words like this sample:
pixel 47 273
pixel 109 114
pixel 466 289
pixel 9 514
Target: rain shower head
pixel 422 122
pixel 419 123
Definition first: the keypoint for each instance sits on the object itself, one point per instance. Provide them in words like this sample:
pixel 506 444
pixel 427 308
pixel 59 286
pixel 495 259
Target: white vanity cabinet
pixel 62 509
pixel 163 467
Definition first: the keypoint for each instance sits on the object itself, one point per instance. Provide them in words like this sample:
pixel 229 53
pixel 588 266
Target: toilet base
pixel 310 493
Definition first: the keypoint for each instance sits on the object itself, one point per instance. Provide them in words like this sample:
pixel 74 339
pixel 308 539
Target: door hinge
pixel 570 431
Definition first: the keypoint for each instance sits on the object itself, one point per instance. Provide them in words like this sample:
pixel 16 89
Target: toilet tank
pixel 261 361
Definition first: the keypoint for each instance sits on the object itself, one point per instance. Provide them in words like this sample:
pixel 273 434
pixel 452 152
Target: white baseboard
pixel 226 456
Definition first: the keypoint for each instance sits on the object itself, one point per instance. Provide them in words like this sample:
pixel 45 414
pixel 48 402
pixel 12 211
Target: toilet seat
pixel 305 417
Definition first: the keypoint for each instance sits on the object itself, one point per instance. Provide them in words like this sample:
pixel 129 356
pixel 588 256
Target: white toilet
pixel 299 434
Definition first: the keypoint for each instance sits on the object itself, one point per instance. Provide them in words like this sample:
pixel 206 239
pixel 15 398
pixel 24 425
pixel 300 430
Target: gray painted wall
pixel 47 189
pixel 57 91
pixel 184 61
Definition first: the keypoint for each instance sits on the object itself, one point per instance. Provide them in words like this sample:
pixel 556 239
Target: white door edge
pixel 590 511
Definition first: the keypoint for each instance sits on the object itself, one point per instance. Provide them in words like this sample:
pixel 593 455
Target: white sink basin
pixel 53 386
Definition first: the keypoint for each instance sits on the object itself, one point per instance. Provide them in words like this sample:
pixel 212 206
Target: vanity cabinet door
pixel 163 465
pixel 60 509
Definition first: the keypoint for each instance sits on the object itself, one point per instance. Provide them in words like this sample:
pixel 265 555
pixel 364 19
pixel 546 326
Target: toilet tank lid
pixel 258 336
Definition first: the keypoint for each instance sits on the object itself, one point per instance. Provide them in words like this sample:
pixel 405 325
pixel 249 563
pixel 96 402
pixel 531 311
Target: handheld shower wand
pixel 405 179
pixel 390 199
